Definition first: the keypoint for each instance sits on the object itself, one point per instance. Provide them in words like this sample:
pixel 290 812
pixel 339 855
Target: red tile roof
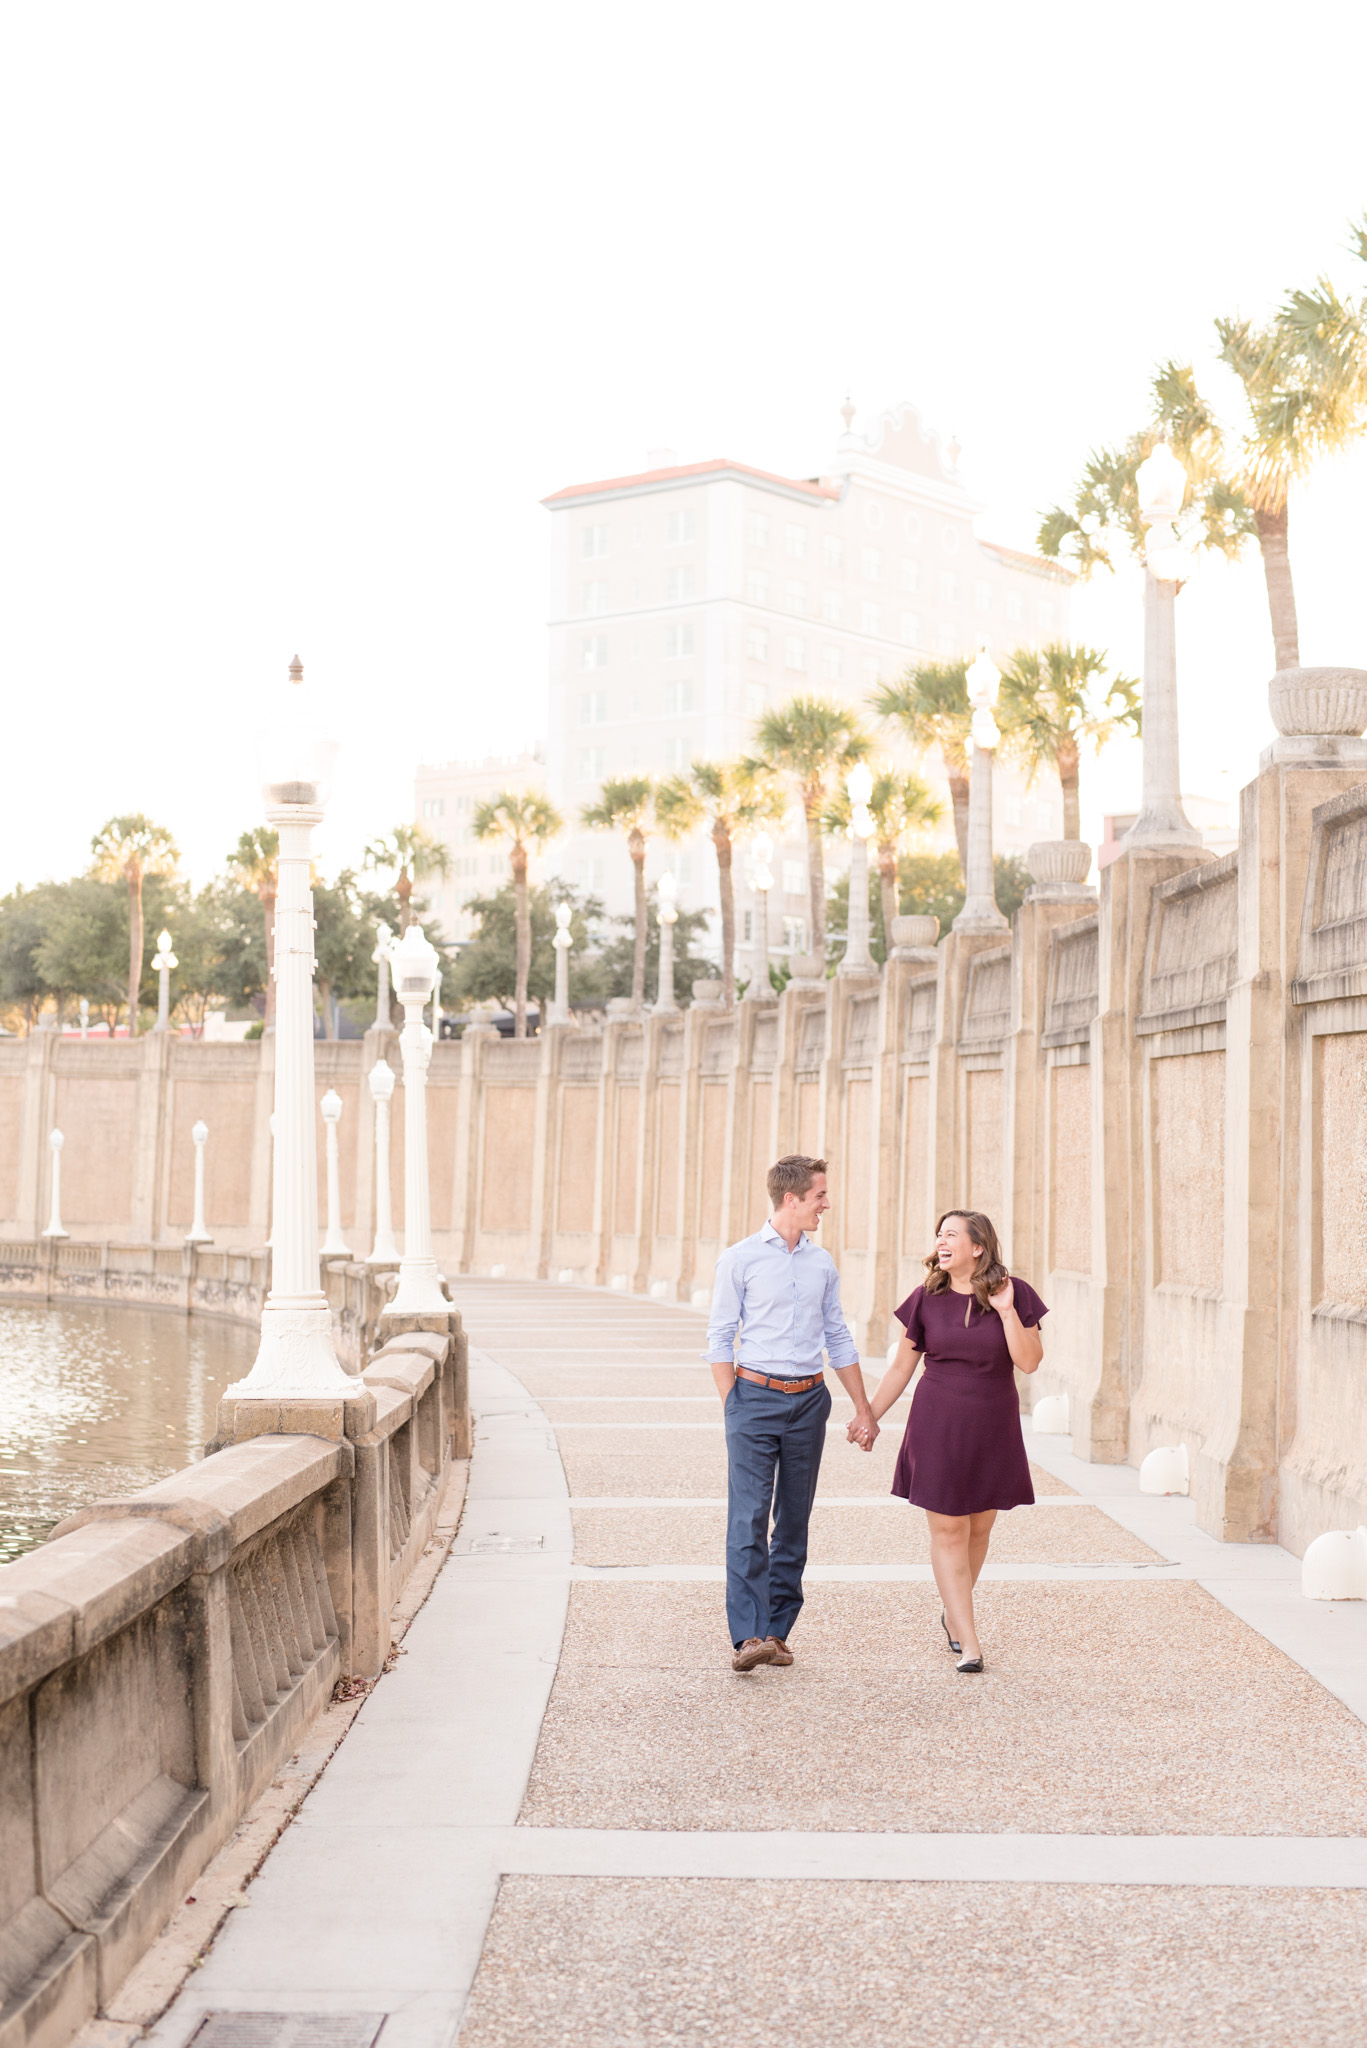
pixel 692 469
pixel 1058 570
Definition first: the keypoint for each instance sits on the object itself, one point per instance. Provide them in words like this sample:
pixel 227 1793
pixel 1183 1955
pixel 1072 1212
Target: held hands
pixel 862 1430
pixel 1005 1300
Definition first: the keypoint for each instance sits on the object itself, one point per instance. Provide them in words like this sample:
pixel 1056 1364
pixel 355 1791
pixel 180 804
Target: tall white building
pixel 446 797
pixel 687 599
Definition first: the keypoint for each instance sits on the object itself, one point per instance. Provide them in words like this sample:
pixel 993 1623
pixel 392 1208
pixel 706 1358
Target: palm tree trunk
pixel 636 846
pixel 325 999
pixel 1067 763
pixel 1281 595
pixel 956 770
pixel 887 882
pixel 523 921
pixel 816 876
pixel 721 840
pixel 268 906
pixel 403 889
pixel 134 945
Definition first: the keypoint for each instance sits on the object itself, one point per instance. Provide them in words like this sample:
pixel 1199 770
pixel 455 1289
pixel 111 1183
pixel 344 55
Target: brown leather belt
pixel 759 1379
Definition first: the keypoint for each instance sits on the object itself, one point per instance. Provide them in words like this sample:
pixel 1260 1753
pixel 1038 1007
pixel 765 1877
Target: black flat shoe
pixel 967 1665
pixel 955 1647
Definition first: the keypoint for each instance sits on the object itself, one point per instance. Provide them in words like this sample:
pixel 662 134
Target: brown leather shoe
pixel 781 1653
pixel 752 1652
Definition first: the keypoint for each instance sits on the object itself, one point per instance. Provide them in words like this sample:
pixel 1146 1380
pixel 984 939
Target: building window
pixel 796 540
pixel 747 928
pixel 593 597
pixel 462 803
pixel 638 533
pixel 868 668
pixel 832 664
pixel 911 527
pixel 794 878
pixel 911 574
pixel 592 764
pixel 593 653
pixel 756 586
pixel 873 564
pixel 833 551
pixel 678 699
pixel 683 870
pixel 832 605
pixel 675 755
pixel 911 629
pixel 679 585
pixel 433 807
pixel 757 530
pixel 794 934
pixel 1013 605
pixel 755 699
pixel 1046 615
pixel 590 871
pixel 873 515
pixel 595 542
pixel 949 539
pixel 982 599
pixel 949 588
pixel 756 643
pixel 794 653
pixel 680 526
pixel 949 639
pixel 678 641
pixel 796 595
pixel 872 617
pixel 1013 810
pixel 633 650
pixel 593 707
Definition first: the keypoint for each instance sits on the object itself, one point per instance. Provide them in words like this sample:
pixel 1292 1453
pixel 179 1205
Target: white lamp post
pixel 297 1357
pixel 384 1251
pixel 85 1018
pixel 560 1008
pixel 858 959
pixel 414 961
pixel 980 912
pixel 334 1244
pixel 384 940
pixel 1162 822
pixel 761 881
pixel 55 1226
pixel 198 1230
pixel 667 914
pixel 164 960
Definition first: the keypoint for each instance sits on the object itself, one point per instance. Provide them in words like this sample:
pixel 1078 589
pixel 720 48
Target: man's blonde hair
pixel 791 1176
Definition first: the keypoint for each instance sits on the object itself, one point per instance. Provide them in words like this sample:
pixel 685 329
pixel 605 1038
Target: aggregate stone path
pixel 562 1819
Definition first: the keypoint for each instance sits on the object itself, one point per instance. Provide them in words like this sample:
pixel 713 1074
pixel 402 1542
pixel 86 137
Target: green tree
pixel 626 803
pixel 730 798
pixel 929 706
pixel 521 817
pixel 902 805
pixel 126 849
pixel 410 853
pixel 486 970
pixel 24 920
pixel 1055 698
pixel 928 885
pixel 814 740
pixel 614 964
pixel 254 863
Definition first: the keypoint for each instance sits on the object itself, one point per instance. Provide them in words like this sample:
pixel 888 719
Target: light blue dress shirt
pixel 786 1304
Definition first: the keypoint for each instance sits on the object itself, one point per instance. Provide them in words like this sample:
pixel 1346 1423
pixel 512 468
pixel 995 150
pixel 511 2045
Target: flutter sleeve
pixel 910 1317
pixel 1029 1307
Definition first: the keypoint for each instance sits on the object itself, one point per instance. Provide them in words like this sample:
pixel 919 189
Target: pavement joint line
pixel 823 1500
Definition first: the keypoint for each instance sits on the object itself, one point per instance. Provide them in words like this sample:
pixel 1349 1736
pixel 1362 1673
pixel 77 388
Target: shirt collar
pixel 769 1235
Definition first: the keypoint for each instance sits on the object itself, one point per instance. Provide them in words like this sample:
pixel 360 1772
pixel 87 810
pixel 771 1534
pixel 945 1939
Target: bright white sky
pixel 309 305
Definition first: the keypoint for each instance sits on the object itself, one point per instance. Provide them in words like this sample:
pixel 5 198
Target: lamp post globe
pixel 563 940
pixel 413 964
pixel 164 960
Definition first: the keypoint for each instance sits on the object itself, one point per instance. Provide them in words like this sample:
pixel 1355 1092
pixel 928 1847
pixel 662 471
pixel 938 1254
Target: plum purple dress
pixel 963 1451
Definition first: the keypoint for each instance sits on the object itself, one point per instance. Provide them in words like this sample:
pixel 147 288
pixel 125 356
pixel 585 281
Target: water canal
pixel 100 1401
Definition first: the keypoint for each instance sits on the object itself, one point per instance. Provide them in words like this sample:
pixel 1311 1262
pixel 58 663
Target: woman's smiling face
pixel 955 1249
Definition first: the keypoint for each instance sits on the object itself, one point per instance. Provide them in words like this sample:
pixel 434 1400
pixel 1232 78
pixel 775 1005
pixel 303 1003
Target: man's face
pixel 811 1207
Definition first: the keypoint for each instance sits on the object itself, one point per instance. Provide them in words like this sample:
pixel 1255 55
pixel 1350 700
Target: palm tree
pixel 930 705
pixel 410 854
pixel 519 816
pixel 813 739
pixel 626 803
pixel 901 805
pixel 731 798
pixel 125 850
pixel 1052 699
pixel 255 861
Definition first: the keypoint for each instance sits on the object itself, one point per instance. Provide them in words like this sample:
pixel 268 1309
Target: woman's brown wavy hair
pixel 988 1274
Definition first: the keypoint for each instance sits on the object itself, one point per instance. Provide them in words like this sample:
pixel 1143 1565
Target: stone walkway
pixel 563 1820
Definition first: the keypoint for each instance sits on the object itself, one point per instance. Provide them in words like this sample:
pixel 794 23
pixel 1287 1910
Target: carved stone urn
pixel 808 969
pixel 1058 869
pixel 707 994
pixel 1319 700
pixel 913 938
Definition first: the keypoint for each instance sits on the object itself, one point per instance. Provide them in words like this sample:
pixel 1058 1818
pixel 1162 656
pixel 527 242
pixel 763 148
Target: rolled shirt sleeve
pixel 724 1316
pixel 841 1348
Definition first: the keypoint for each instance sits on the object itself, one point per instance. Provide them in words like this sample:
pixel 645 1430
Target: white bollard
pixel 1166 1470
pixel 384 1251
pixel 498 1272
pixel 618 1283
pixel 565 1276
pixel 1049 1417
pixel 1335 1566
pixel 893 1350
pixel 701 1297
pixel 334 1244
pixel 659 1290
pixel 199 1233
pixel 55 1226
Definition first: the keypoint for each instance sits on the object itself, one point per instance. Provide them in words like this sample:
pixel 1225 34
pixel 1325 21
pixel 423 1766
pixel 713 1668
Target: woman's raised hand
pixel 1005 1298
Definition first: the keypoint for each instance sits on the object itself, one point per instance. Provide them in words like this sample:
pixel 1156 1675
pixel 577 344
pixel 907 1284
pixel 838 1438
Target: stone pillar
pixel 980 912
pixel 1161 822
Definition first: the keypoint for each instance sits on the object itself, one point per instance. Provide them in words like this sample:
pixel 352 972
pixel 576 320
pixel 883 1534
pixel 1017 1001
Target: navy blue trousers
pixel 773 1454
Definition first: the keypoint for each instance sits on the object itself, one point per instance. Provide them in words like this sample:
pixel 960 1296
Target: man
pixel 783 1292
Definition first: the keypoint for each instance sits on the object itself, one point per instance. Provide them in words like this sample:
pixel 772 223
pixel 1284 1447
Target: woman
pixel 963 1456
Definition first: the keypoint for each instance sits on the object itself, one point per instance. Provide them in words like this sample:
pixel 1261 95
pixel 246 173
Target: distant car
pixel 505 1023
